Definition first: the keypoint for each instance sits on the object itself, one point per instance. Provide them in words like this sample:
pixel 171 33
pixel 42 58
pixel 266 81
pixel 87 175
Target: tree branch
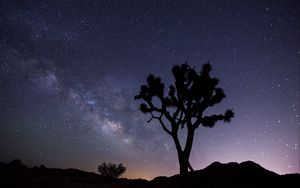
pixel 190 167
pixel 176 113
pixel 159 118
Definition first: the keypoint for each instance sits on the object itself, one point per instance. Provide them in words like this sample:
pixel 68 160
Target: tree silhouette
pixel 184 105
pixel 111 170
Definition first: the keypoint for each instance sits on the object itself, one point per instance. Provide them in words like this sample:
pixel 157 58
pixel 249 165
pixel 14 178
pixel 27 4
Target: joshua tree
pixel 111 170
pixel 184 105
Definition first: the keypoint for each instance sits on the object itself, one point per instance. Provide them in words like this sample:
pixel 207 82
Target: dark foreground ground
pixel 216 175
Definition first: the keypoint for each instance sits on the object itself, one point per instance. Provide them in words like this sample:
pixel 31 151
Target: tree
pixel 184 105
pixel 111 170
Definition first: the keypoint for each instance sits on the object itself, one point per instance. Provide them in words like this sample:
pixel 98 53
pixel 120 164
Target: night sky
pixel 69 71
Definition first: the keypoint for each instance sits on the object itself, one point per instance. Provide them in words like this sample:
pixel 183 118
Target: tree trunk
pixel 183 164
pixel 184 155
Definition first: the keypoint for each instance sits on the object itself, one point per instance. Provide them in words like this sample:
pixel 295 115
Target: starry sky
pixel 69 71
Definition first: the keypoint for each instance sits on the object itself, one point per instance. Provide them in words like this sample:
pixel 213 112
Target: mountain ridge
pixel 233 174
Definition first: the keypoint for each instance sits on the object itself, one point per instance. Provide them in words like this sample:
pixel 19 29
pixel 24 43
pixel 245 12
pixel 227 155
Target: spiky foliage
pixel 184 104
pixel 111 170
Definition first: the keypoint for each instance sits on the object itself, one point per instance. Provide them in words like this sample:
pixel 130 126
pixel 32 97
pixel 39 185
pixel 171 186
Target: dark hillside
pixel 231 175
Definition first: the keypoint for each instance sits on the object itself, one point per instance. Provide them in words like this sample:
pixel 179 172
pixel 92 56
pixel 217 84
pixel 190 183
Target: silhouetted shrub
pixel 111 170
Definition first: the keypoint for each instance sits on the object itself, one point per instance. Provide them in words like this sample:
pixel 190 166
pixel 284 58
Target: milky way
pixel 70 70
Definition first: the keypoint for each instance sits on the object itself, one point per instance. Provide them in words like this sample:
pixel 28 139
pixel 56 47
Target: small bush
pixel 111 170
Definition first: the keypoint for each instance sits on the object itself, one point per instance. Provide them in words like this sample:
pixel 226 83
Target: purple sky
pixel 70 70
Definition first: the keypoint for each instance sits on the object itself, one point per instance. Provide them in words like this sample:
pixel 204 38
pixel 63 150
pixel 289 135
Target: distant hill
pixel 231 175
pixel 246 174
